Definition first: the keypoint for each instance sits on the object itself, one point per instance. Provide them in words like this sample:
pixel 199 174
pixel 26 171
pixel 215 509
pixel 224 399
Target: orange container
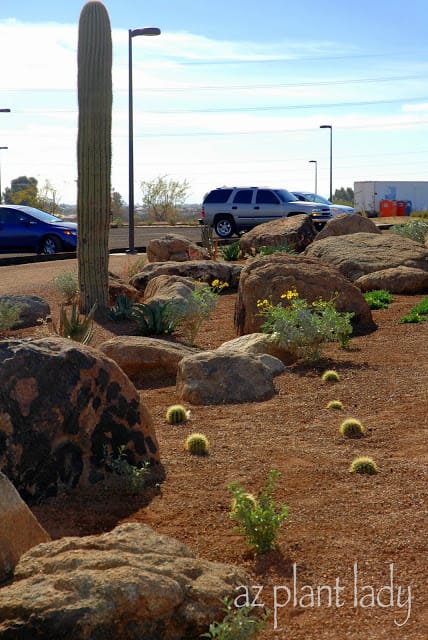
pixel 385 208
pixel 401 208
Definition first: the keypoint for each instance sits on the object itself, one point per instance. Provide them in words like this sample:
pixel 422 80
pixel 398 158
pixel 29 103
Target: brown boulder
pixel 271 276
pixel 32 309
pixel 176 248
pixel 67 405
pixel 395 280
pixel 345 223
pixel 130 583
pixel 296 231
pixel 358 254
pixel 19 529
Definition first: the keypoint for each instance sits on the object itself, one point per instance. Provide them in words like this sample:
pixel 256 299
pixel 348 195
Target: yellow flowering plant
pixel 303 328
pixel 218 285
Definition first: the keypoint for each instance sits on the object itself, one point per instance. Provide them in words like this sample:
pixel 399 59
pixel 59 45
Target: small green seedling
pixel 351 428
pixel 330 376
pixel 197 444
pixel 335 404
pixel 364 465
pixel 176 414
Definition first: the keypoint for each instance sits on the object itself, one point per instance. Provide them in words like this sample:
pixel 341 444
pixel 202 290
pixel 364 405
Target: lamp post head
pixel 326 126
pixel 144 31
pixel 313 161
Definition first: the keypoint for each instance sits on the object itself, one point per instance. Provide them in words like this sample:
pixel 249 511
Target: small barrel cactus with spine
pixel 351 428
pixel 197 444
pixel 177 414
pixel 364 465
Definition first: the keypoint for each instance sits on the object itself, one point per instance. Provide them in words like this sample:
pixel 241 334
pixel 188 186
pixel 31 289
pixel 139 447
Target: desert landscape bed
pixel 351 560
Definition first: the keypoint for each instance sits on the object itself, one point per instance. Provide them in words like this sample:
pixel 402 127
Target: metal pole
pixel 131 247
pixel 0 177
pixel 316 174
pixel 329 126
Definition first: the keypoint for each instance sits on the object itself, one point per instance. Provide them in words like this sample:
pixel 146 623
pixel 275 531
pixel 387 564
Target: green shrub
pixel 134 478
pixel 259 522
pixel 351 428
pixel 418 313
pixel 154 318
pixel 136 265
pixel 414 229
pixel 231 252
pixel 197 444
pixel 364 465
pixel 303 328
pixel 188 315
pixel 76 327
pixel 67 284
pixel 238 624
pixel 9 314
pixel 378 299
pixel 123 309
pixel 176 413
pixel 268 250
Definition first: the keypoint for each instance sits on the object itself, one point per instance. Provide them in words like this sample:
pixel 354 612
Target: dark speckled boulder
pixel 63 406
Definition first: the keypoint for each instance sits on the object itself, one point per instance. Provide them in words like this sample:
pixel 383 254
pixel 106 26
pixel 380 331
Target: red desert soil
pixel 361 540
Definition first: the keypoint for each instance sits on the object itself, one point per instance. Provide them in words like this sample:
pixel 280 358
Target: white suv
pixel 230 210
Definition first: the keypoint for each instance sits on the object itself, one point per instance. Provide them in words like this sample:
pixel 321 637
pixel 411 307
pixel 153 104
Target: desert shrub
pixel 330 376
pixel 351 428
pixel 268 250
pixel 76 327
pixel 237 624
pixel 378 298
pixel 414 229
pixel 362 465
pixel 67 284
pixel 231 252
pixel 135 265
pixel 259 522
pixel 197 444
pixel 9 314
pixel 176 413
pixel 303 328
pixel 335 404
pixel 123 309
pixel 207 240
pixel 154 319
pixel 188 315
pixel 134 478
pixel 418 313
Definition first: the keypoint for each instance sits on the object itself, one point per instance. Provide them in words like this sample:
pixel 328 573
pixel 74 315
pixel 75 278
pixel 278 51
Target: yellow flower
pixel 292 293
pixel 215 282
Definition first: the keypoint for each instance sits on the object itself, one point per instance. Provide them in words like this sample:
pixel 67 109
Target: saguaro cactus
pixel 94 60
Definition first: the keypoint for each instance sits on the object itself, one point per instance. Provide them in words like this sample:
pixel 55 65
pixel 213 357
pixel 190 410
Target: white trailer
pixel 369 194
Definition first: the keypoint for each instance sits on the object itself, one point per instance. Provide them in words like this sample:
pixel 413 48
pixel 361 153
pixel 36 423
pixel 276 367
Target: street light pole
pixel 0 175
pixel 145 31
pixel 316 172
pixel 328 126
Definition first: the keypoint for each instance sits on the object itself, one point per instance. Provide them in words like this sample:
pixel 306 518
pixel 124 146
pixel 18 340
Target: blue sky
pixel 230 93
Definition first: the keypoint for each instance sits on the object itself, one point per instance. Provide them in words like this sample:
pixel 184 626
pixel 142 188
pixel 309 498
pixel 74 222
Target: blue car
pixel 28 229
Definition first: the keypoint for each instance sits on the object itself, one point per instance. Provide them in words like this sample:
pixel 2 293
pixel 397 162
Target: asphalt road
pixel 118 242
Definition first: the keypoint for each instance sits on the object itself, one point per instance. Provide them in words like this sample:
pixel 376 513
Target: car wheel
pixel 50 245
pixel 224 227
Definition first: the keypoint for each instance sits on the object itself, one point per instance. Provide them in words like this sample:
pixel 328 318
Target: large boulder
pixel 64 407
pixel 19 529
pixel 130 583
pixel 146 359
pixel 344 223
pixel 203 271
pixel 174 247
pixel 212 377
pixel 271 276
pixel 165 288
pixel 32 309
pixel 257 344
pixel 296 231
pixel 358 254
pixel 395 280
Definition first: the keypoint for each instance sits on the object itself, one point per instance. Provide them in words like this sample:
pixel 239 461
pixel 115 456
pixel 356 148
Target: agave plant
pixel 76 327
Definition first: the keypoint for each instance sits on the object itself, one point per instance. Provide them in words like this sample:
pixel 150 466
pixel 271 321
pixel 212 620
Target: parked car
pixel 231 210
pixel 306 196
pixel 25 228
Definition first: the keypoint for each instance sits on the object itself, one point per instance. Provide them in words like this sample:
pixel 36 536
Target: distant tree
pixel 48 199
pixel 118 207
pixel 344 196
pixel 23 190
pixel 162 198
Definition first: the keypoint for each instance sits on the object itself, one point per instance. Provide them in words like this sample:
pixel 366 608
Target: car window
pixel 218 195
pixel 11 217
pixel 266 196
pixel 243 196
pixel 285 196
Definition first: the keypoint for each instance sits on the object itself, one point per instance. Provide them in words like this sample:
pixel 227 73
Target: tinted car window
pixel 218 195
pixel 243 196
pixel 285 196
pixel 265 196
pixel 10 217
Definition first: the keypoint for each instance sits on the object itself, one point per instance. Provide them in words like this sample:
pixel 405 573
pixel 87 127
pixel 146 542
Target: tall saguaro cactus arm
pixel 94 60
